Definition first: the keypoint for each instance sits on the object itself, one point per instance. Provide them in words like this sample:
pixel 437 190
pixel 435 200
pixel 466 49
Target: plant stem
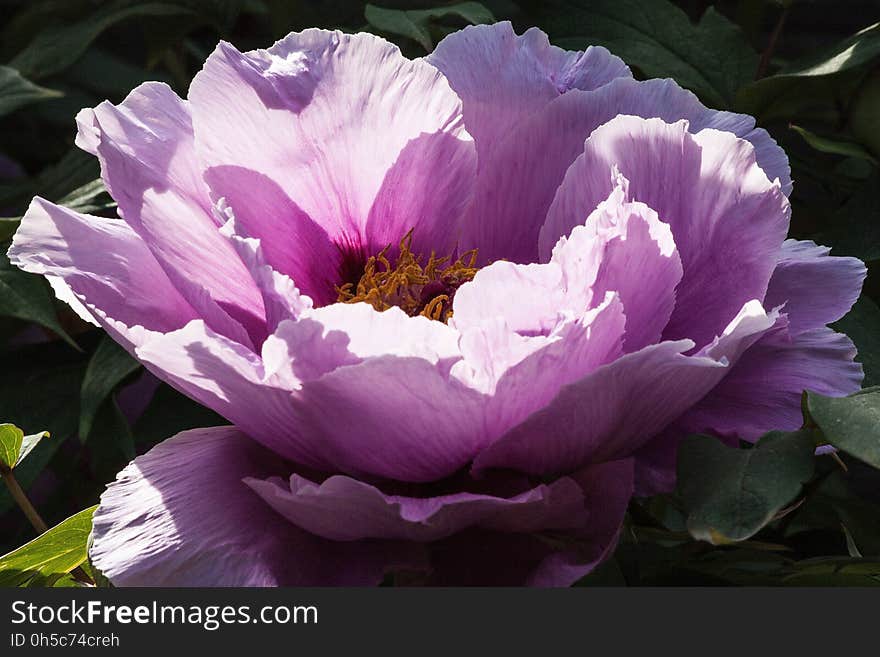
pixel 23 502
pixel 771 45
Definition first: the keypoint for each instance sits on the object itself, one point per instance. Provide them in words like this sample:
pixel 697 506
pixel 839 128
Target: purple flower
pixel 459 309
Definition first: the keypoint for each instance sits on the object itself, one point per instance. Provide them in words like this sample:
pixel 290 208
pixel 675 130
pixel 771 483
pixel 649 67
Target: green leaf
pixel 40 387
pixel 108 367
pixel 57 47
pixel 834 571
pixel 713 57
pixel 11 438
pixel 26 296
pixel 862 325
pixel 8 226
pixel 855 227
pixel 864 110
pixel 834 146
pixel 16 91
pixel 730 493
pixel 851 424
pixel 416 24
pixel 760 97
pixel 28 443
pixel 51 555
pixel 88 198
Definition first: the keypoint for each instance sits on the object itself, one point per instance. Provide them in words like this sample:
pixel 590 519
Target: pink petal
pixel 102 262
pixel 518 179
pixel 345 509
pixel 816 288
pixel 762 391
pixel 503 77
pixel 664 99
pixel 229 378
pixel 639 263
pixel 727 218
pixel 333 394
pixel 365 142
pixel 164 522
pixel 281 298
pixel 145 145
pixel 591 420
pixel 507 82
pixel 521 373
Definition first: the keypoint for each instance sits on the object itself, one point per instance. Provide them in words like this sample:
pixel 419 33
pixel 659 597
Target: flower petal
pixel 159 524
pixel 521 373
pixel 340 396
pixel 145 145
pixel 591 420
pixel 500 559
pixel 506 82
pixel 816 288
pixel 622 248
pixel 503 77
pixel 762 391
pixel 345 509
pixel 292 244
pixel 367 143
pixel 103 262
pixel 229 378
pixel 727 218
pixel 639 262
pixel 281 298
pixel 517 181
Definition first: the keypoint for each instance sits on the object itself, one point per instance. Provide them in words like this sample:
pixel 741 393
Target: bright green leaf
pixel 713 57
pixel 415 24
pixel 851 424
pixel 730 493
pixel 51 555
pixel 11 438
pixel 16 91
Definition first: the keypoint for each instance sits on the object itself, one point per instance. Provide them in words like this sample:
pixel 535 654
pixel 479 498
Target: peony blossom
pixel 458 310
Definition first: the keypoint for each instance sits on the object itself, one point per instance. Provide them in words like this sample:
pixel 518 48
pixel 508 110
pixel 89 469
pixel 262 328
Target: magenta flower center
pixel 418 289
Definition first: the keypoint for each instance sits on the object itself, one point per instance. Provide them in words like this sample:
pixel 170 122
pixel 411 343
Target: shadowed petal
pixel 493 558
pixel 518 179
pixel 503 77
pixel 365 142
pixel 345 509
pixel 158 524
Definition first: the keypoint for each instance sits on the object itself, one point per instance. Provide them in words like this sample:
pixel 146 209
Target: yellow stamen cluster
pixel 417 290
